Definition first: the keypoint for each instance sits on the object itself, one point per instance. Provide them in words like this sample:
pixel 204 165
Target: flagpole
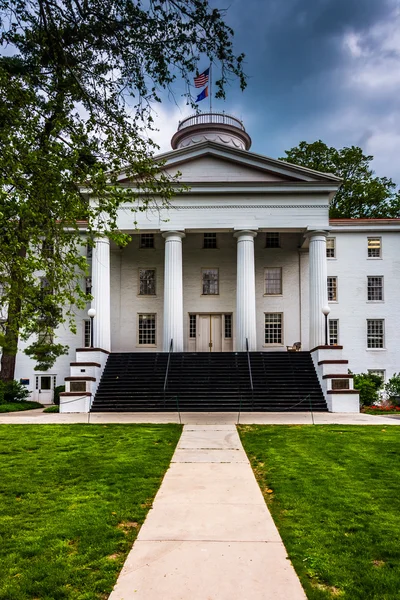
pixel 210 88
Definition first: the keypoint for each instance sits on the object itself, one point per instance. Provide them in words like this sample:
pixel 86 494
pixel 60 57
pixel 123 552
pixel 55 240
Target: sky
pixel 317 69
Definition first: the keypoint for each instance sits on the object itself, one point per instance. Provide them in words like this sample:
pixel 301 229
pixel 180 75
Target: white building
pixel 248 252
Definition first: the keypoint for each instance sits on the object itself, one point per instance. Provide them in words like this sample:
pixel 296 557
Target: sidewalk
pixel 198 418
pixel 209 535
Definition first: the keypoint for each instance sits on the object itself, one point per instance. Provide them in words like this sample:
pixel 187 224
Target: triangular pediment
pixel 210 162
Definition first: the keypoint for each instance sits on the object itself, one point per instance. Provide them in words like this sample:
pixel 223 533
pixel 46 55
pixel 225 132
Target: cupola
pixel 211 127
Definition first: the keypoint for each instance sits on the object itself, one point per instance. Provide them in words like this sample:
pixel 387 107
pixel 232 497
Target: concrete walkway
pixel 209 535
pixel 225 418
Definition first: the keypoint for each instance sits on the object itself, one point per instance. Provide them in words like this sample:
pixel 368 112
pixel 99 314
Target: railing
pixel 171 345
pixel 208 118
pixel 250 373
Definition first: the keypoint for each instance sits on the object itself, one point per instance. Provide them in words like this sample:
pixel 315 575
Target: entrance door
pixel 45 388
pixel 209 337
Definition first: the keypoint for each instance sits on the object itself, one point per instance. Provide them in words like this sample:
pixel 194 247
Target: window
pixel 88 285
pixel 45 337
pixel 374 247
pixel 86 334
pixel 375 333
pixel 47 249
pixel 192 326
pixel 147 330
pixel 228 326
pixel 45 286
pixel 333 332
pixel 330 247
pixel 147 240
pixel 210 240
pixel 272 240
pixel 273 281
pixel 379 372
pixel 89 251
pixel 375 288
pixel 210 279
pixel 332 289
pixel 273 328
pixel 147 282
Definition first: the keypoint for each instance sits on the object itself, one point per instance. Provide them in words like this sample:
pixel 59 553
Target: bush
pixel 13 391
pixel 392 389
pixel 57 391
pixel 368 385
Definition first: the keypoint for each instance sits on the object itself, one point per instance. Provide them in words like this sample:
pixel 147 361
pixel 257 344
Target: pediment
pixel 210 162
pixel 237 165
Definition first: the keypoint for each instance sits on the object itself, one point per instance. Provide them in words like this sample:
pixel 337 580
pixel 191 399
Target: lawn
pixel 14 406
pixel 73 498
pixel 334 493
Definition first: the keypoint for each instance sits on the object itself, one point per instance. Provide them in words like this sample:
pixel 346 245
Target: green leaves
pixel 362 194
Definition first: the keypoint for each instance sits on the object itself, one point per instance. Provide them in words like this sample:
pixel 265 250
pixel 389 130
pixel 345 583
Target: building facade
pixel 245 258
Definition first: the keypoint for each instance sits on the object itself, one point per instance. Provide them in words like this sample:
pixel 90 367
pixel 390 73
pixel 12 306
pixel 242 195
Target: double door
pixel 209 337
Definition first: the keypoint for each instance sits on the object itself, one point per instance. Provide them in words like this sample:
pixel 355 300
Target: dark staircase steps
pixel 220 382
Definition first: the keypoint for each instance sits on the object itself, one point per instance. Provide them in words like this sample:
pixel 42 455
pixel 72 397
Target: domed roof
pixel 213 127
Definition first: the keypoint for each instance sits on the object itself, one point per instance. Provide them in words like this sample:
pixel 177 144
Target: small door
pixel 209 336
pixel 45 388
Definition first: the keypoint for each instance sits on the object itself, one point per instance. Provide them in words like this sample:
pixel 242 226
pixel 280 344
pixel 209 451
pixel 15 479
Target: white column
pixel 173 291
pixel 101 293
pixel 318 287
pixel 245 292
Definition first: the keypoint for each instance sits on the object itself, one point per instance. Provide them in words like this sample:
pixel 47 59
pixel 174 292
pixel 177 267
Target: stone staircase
pixel 210 382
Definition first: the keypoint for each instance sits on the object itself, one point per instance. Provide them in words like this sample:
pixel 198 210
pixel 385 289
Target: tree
pixel 77 82
pixel 362 194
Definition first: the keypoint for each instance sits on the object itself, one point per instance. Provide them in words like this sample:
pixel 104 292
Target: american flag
pixel 202 79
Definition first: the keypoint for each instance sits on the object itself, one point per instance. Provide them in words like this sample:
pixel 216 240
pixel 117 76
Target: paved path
pixel 227 418
pixel 209 535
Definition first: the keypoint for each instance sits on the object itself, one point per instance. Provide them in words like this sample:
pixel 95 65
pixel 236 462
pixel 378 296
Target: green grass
pixel 54 408
pixel 334 493
pixel 16 406
pixel 73 498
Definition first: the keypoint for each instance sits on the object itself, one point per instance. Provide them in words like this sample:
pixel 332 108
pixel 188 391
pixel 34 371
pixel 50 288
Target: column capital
pixel 311 233
pixel 173 234
pixel 245 233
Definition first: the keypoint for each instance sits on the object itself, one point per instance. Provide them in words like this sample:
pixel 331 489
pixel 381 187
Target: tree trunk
pixel 10 346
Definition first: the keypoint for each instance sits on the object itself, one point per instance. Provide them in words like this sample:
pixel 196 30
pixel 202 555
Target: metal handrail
pixel 250 373
pixel 171 345
pixel 207 118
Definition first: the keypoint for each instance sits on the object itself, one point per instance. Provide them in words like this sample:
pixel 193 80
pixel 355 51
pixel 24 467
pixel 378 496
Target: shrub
pixel 392 389
pixel 368 385
pixel 57 391
pixel 13 391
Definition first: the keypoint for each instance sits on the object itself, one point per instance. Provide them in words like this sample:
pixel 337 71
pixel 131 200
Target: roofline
pixel 181 152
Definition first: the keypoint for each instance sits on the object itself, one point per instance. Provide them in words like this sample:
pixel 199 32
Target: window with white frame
pixel 147 330
pixel 273 328
pixel 379 372
pixel 210 282
pixel 86 333
pixel 333 332
pixel 192 326
pixel 147 282
pixel 374 247
pixel 228 327
pixel 332 289
pixel 147 240
pixel 272 239
pixel 273 281
pixel 375 333
pixel 330 247
pixel 375 288
pixel 210 240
